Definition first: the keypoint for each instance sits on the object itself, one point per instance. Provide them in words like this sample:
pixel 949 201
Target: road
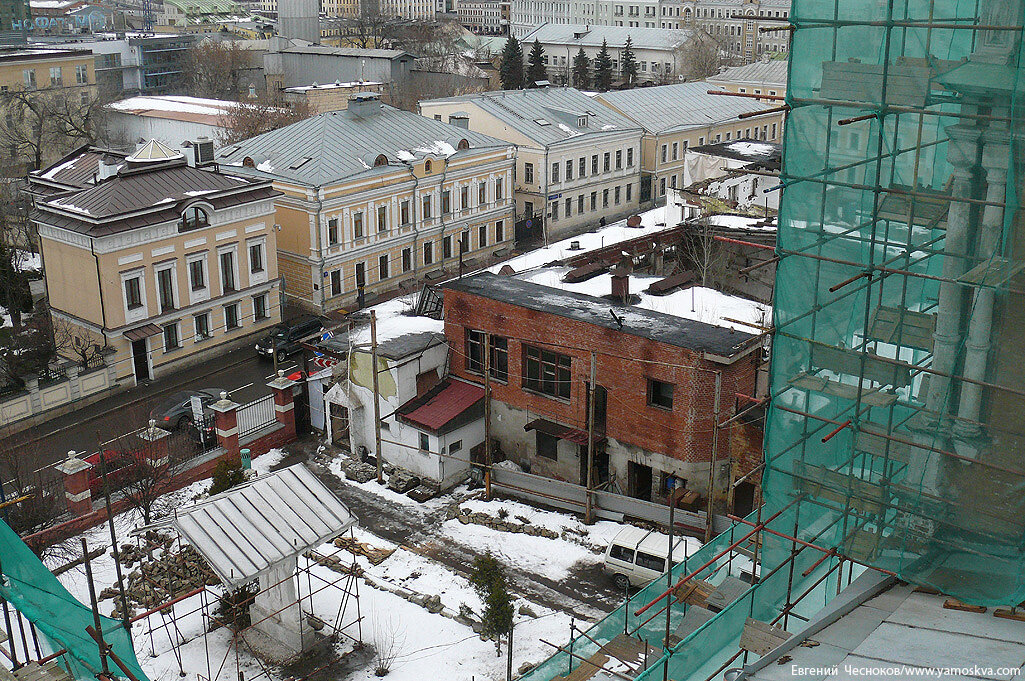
pixel 239 372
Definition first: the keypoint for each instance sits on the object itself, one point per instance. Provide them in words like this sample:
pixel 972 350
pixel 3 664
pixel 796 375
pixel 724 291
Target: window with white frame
pixel 172 341
pixel 166 287
pixel 229 275
pixel 260 307
pixel 232 320
pixel 202 323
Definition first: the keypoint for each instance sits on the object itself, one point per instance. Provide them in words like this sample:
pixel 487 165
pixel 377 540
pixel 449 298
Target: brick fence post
pixel 284 402
pixel 76 484
pixel 226 424
pixel 156 449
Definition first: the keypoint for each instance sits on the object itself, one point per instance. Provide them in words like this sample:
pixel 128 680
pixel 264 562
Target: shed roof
pixel 244 532
pixel 668 108
pixel 440 408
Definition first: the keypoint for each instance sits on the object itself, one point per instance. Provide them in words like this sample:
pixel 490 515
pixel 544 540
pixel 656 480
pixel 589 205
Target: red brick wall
pixel 625 362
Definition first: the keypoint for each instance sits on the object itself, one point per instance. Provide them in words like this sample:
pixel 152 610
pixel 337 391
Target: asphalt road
pixel 240 372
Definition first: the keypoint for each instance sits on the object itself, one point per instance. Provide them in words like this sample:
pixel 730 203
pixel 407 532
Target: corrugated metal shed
pixel 678 107
pixel 244 532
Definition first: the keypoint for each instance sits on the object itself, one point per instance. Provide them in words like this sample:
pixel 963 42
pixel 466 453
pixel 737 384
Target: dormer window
pixel 193 218
pixel 463 144
pixel 381 160
pixel 582 121
pixel 427 166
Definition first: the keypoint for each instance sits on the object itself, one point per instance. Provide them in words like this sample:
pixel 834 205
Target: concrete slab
pixel 925 610
pixel 851 630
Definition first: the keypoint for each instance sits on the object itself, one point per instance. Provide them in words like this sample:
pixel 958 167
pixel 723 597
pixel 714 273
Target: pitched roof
pixel 327 50
pixel 77 169
pixel 339 144
pixel 636 321
pixel 668 108
pixel 615 36
pixel 770 72
pixel 440 409
pixel 547 115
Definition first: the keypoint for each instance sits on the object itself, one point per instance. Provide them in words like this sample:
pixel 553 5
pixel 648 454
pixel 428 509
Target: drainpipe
pixel 321 257
pixel 544 203
pixel 99 286
pixel 416 229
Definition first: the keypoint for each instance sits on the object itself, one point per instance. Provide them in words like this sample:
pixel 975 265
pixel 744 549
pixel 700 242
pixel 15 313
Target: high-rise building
pixel 14 18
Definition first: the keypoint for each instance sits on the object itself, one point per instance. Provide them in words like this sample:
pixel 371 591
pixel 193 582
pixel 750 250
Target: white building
pixel 719 171
pixel 489 17
pixel 168 118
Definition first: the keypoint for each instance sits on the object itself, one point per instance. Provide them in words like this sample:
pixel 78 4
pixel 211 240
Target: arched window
pixel 194 217
pixel 463 144
pixel 248 162
pixel 381 160
pixel 427 166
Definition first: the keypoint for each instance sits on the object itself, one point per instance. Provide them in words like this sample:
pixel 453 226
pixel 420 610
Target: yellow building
pixel 38 87
pixel 159 261
pixel 375 199
pixel 332 96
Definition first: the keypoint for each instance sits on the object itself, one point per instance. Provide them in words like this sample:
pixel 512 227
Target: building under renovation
pixel 893 445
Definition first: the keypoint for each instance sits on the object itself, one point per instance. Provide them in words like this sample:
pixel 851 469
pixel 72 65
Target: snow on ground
pixel 5 318
pixel 741 222
pixel 598 536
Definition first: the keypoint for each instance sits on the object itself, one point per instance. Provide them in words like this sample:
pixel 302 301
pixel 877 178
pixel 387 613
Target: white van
pixel 638 556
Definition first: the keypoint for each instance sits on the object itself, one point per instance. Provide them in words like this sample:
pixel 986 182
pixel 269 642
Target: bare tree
pixel 705 255
pixel 249 119
pixel 72 341
pixel 145 468
pixel 368 30
pixel 42 503
pixel 427 38
pixel 389 637
pixel 704 55
pixel 37 125
pixel 216 69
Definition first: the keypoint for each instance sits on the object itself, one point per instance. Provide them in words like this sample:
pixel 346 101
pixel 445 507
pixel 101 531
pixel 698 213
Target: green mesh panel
pixel 59 617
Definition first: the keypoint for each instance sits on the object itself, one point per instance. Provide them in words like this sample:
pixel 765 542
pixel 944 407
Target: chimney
pixel 107 167
pixel 621 279
pixel 364 104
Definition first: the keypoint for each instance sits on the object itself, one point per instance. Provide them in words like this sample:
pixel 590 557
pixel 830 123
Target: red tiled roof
pixel 444 403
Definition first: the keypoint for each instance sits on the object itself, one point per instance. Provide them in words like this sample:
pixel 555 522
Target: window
pixel 547 446
pixel 546 372
pixel 428 252
pixel 227 260
pixel 580 204
pixel 621 553
pixel 382 218
pixel 676 150
pixel 499 231
pixel 165 289
pixel 407 259
pixel 382 267
pixel 256 258
pixel 594 164
pixel 629 192
pixel 336 282
pixel 617 195
pixel 171 340
pixel 56 78
pixel 82 74
pixel 569 170
pixel 260 307
pixel 482 193
pixel 604 198
pixel 594 200
pixel 528 173
pixel 357 225
pixel 446 247
pixel 660 394
pixel 332 231
pixel 425 213
pixel 555 210
pixel 498 189
pixel 569 206
pixel 361 274
pixel 133 293
pixel 427 164
pixel 193 218
pixel 482 235
pixel 231 318
pixel 662 186
pixel 607 159
pixel 202 324
pixel 29 78
pixel 404 212
pixel 464 241
pixel 425 442
pixel 555 172
pixel 197 275
pixel 582 167
pixel 619 159
pixel 773 131
pixel 630 157
pixel 455 446
pixel 446 202
pixel 650 562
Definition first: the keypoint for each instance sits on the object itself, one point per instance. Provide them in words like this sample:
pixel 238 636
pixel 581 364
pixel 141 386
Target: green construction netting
pixel 60 617
pixel 900 218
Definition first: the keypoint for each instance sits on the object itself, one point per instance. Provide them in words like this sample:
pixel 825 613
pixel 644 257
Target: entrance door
pixel 141 360
pixel 339 425
pixel 639 480
pixel 743 499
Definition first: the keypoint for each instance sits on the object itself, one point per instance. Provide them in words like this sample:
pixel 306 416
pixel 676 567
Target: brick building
pixel 655 394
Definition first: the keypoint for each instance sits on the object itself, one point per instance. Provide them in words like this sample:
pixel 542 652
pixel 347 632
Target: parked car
pixel 118 466
pixel 175 412
pixel 283 340
pixel 637 557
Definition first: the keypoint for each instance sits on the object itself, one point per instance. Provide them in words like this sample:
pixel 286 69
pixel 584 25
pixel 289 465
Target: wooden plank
pixel 994 271
pixel 954 604
pixel 855 363
pixel 903 327
pixel 824 483
pixel 729 590
pixel 693 591
pixel 871 439
pixel 870 396
pixel 760 637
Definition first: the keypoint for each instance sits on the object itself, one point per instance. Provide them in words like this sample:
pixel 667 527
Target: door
pixel 339 425
pixel 140 357
pixel 639 480
pixel 601 401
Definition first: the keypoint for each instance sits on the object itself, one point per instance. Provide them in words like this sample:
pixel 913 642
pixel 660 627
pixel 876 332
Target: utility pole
pixel 589 502
pixel 712 462
pixel 96 609
pixel 487 416
pixel 377 398
pixel 508 660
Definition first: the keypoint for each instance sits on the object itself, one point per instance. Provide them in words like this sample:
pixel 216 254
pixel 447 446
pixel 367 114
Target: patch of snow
pixel 363 163
pixel 25 261
pixel 568 130
pixel 751 148
pixel 437 148
pixel 740 222
pixel 5 319
pixel 200 192
pixel 173 103
pixel 162 201
pixel 265 167
pixel 609 127
pixel 61 203
pixel 54 171
pixel 404 155
pixel 392 321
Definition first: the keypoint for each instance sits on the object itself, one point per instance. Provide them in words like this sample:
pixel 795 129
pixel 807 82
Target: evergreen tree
pixel 488 579
pixel 536 69
pixel 511 69
pixel 581 70
pixel 629 63
pixel 603 68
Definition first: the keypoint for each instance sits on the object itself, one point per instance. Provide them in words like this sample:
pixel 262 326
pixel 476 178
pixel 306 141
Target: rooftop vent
pixel 460 119
pixel 574 245
pixel 621 279
pixel 365 104
pixel 542 83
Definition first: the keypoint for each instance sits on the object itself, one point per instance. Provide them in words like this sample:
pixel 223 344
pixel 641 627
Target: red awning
pixel 574 435
pixel 442 404
pixel 141 332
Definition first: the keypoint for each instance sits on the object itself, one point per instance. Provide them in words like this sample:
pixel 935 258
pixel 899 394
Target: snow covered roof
pixel 580 35
pixel 742 150
pixel 175 107
pixel 768 72
pixel 244 532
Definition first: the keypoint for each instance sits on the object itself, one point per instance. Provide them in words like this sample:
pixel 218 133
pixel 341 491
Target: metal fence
pixel 255 415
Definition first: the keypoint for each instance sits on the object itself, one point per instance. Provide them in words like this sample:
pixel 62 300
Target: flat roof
pixel 656 326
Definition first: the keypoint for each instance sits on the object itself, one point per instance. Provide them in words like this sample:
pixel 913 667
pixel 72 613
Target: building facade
pixel 484 17
pixel 376 200
pixel 158 262
pixel 763 77
pixel 655 382
pixel 677 117
pixel 577 160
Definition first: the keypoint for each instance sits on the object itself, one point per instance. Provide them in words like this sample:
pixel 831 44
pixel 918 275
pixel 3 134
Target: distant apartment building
pixel 657 52
pixel 677 117
pixel 375 199
pixel 13 15
pixel 484 17
pixel 139 64
pixel 577 160
pixel 155 258
pixel 763 77
pixel 735 23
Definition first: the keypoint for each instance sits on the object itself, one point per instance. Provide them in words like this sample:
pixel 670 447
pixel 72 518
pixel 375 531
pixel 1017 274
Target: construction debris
pixel 358 548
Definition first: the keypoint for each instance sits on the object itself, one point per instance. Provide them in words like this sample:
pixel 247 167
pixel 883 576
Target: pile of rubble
pixel 518 525
pixel 357 548
pixel 159 580
pixel 400 479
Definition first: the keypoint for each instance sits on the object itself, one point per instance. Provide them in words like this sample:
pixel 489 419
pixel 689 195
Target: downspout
pixel 320 246
pixel 99 287
pixel 544 204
